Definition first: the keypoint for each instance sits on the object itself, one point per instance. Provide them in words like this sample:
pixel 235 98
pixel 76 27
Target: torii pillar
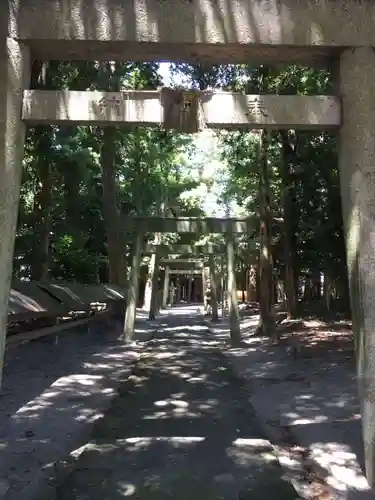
pixel 165 288
pixel 234 315
pixel 190 289
pixel 154 288
pixel 357 175
pixel 178 290
pixel 214 306
pixel 14 79
pixel 205 284
pixel 133 289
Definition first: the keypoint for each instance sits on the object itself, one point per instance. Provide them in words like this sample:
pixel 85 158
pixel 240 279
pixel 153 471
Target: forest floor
pixel 308 403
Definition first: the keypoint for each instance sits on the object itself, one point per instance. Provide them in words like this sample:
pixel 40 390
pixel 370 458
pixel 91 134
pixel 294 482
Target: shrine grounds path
pixel 180 427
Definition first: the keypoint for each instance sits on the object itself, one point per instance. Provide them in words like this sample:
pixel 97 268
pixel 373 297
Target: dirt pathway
pixel 181 428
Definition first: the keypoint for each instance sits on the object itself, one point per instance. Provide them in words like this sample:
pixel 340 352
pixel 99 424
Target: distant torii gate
pixel 177 266
pixel 228 226
pixel 206 250
pixel 172 266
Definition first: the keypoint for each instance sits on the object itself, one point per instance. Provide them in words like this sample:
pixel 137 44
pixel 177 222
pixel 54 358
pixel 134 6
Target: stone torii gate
pixel 208 250
pixel 185 265
pixel 340 34
pixel 178 267
pixel 192 225
pixel 182 272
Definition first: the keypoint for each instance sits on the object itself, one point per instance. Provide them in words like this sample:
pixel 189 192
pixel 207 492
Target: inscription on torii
pixel 257 108
pixel 110 102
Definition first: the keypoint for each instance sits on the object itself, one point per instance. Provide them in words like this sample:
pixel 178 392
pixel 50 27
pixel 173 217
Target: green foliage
pixel 154 171
pixel 66 161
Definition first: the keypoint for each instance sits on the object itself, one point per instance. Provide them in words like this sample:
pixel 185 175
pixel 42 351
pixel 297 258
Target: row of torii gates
pixel 339 35
pixel 198 226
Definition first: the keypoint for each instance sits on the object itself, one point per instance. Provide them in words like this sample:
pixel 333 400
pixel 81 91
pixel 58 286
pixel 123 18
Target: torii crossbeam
pixel 185 250
pixel 145 108
pixel 193 225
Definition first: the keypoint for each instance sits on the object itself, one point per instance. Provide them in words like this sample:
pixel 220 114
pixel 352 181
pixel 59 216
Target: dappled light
pixel 67 388
pixel 186 278
pixel 211 32
pixel 310 399
pixel 179 403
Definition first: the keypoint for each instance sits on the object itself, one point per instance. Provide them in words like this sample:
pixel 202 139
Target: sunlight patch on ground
pixel 183 329
pixel 171 439
pixel 341 464
pixel 175 402
pixel 255 443
pixel 251 322
pixel 126 489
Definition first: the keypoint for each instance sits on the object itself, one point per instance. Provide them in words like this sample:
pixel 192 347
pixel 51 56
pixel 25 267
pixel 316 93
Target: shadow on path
pixel 181 427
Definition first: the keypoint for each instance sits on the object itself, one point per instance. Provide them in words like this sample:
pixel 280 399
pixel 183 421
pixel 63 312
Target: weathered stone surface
pixel 164 302
pixel 76 296
pixel 215 30
pixel 235 110
pixel 214 283
pixel 186 249
pixel 234 314
pixel 188 225
pixel 182 265
pixel 220 109
pixel 28 301
pixel 196 272
pixel 14 71
pixel 357 156
pixel 188 263
pixel 133 287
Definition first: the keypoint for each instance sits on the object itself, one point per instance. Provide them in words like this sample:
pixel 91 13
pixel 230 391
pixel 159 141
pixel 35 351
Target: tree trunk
pixel 115 235
pixel 289 229
pixel 150 296
pixel 42 210
pixel 42 78
pixel 266 324
pixel 110 79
